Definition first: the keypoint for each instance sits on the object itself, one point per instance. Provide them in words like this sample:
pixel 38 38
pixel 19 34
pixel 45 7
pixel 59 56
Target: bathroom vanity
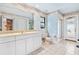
pixel 20 31
pixel 20 42
pixel 17 36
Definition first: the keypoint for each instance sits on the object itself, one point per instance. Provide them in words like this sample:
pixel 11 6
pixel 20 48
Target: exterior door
pixel 71 28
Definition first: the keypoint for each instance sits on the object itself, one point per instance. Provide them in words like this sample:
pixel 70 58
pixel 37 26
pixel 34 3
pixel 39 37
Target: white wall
pixel 53 25
pixel 59 29
pixel 10 8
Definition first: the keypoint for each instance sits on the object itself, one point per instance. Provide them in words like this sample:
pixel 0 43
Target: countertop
pixel 15 33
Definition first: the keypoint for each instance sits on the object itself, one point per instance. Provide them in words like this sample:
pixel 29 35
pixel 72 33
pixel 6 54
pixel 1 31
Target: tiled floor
pixel 64 47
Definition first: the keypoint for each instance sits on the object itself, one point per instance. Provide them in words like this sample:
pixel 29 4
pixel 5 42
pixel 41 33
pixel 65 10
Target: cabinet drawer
pixel 20 37
pixel 20 47
pixel 6 39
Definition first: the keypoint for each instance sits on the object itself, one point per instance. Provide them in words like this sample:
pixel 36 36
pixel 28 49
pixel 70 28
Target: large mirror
pixel 16 24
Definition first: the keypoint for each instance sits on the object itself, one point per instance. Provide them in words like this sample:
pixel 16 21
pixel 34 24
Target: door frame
pixel 75 24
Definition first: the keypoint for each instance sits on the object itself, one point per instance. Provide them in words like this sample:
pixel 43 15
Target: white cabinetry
pixel 32 43
pixel 29 45
pixel 7 47
pixel 20 45
pixel 37 41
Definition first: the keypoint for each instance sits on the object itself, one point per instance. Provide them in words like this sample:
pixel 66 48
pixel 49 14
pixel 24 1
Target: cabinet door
pixel 3 49
pixel 20 47
pixel 7 48
pixel 37 42
pixel 32 43
pixel 7 45
pixel 29 45
pixel 11 48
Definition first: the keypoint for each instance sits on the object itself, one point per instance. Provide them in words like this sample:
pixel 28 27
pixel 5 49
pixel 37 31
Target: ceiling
pixel 50 7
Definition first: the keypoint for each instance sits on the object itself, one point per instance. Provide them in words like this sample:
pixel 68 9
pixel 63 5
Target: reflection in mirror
pixel 42 23
pixel 9 24
pixel 0 23
pixel 31 23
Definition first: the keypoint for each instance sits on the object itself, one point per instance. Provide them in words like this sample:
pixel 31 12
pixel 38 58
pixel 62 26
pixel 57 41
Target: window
pixel 42 23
